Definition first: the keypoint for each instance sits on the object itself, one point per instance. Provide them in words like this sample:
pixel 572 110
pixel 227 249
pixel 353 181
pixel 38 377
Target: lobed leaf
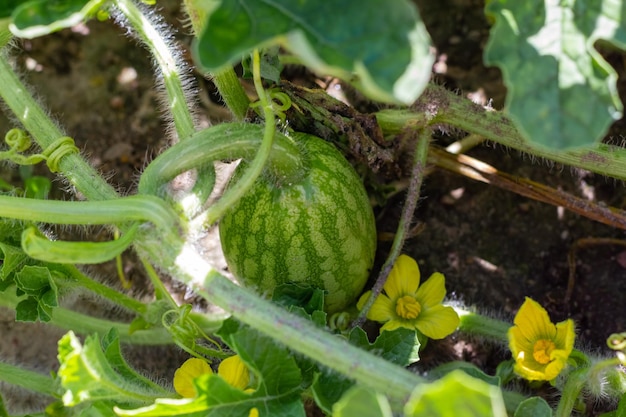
pixel 561 92
pixel 385 44
pixel 456 394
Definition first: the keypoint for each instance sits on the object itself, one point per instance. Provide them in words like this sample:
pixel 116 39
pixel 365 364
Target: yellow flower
pixel 184 376
pixel 540 348
pixel 234 371
pixel 404 303
pixel 231 369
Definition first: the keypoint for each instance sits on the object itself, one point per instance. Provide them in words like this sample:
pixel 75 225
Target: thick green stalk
pixel 479 325
pixel 440 106
pixel 117 211
pixel 226 141
pixel 33 381
pixel 78 172
pixel 167 63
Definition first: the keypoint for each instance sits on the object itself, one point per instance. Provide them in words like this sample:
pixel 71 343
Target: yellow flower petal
pixel 431 292
pixel 235 372
pixel 403 279
pixel 364 298
pixel 382 310
pixel 533 337
pixel 184 376
pixel 565 335
pixel 437 322
pixel 254 412
pixel 533 321
pixel 396 324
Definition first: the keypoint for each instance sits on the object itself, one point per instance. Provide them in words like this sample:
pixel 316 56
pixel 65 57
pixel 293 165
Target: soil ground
pixel 494 247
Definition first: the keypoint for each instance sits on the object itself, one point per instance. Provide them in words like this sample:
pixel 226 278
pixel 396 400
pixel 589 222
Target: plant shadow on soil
pixel 493 246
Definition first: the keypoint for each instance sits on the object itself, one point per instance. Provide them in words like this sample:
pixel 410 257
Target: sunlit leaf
pixel 456 395
pixel 86 375
pixel 362 402
pixel 380 46
pixel 40 17
pixel 469 368
pixel 560 91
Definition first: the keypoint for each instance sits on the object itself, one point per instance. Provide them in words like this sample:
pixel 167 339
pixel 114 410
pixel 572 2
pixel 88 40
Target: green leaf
pixel 40 17
pixel 362 402
pixel 37 187
pixel 456 395
pixel 42 294
pixel 86 375
pixel 561 92
pixel 470 369
pixel 533 407
pixel 383 43
pixel 7 6
pixel 12 257
pixel 328 388
pixel 3 411
pixel 400 346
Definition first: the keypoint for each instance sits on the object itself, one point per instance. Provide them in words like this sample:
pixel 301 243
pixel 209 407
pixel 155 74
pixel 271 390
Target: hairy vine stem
pixel 438 106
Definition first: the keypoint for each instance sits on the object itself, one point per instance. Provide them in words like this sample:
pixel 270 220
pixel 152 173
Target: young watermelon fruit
pixel 317 231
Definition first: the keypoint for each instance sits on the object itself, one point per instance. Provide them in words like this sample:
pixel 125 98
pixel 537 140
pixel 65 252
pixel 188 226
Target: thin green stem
pixel 167 63
pixel 160 291
pixel 30 380
pixel 84 324
pixel 412 196
pixel 231 91
pixel 440 106
pixel 78 172
pixel 102 290
pixel 574 384
pixel 237 190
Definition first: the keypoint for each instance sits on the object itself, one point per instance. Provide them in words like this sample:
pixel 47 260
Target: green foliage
pixel 561 92
pixel 362 402
pixel 37 284
pixel 533 407
pixel 456 395
pixel 35 18
pixel 95 371
pixel 390 65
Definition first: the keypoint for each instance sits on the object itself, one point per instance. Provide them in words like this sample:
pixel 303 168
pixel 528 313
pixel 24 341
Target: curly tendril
pixel 57 150
pixel 279 101
pixel 20 141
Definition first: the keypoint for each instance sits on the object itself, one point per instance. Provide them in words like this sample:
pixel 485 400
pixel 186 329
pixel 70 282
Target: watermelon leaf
pixel 561 92
pixel 385 44
pixel 362 402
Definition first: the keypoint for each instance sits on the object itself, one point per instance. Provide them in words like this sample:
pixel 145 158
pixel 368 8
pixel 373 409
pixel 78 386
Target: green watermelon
pixel 318 231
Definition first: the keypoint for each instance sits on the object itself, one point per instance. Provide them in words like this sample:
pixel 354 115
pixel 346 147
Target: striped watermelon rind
pixel 319 231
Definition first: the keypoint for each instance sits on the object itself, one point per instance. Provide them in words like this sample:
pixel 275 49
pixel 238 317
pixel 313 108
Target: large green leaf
pixel 384 43
pixel 561 92
pixel 456 395
pixel 533 407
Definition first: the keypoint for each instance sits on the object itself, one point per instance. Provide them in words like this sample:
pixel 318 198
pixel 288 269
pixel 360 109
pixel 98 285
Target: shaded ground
pixel 494 247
